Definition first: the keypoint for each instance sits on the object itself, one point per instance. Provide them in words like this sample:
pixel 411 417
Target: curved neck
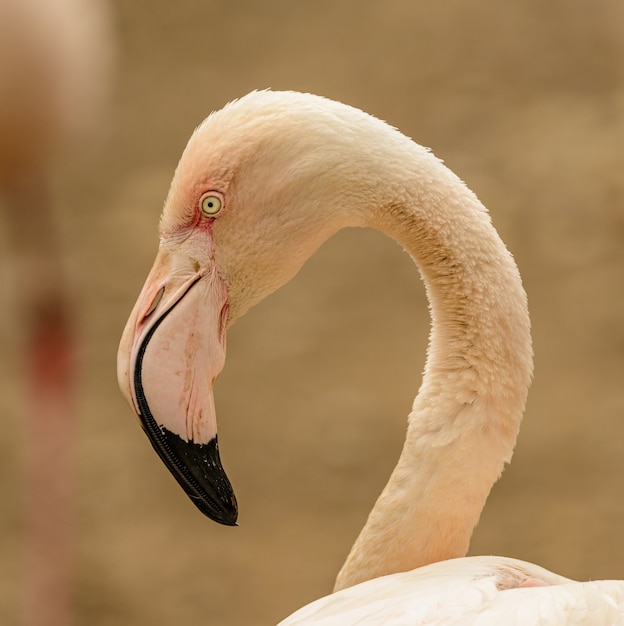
pixel 465 418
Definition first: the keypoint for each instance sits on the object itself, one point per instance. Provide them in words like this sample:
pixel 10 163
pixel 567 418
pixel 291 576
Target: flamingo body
pixel 471 591
pixel 55 70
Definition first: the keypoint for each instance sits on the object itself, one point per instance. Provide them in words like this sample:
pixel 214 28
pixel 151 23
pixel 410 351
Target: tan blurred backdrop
pixel 525 101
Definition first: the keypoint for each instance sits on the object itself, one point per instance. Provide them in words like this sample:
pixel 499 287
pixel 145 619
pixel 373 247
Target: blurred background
pixel 525 101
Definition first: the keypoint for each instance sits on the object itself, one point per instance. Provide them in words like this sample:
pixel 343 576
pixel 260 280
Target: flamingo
pixel 55 62
pixel 261 184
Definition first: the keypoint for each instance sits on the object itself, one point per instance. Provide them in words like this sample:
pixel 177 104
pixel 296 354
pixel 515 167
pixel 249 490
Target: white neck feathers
pixel 466 416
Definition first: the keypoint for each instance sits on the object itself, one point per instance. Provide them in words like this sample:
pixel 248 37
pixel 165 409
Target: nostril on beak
pixel 154 304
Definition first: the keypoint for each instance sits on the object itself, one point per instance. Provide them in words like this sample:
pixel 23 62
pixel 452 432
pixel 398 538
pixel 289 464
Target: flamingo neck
pixel 466 416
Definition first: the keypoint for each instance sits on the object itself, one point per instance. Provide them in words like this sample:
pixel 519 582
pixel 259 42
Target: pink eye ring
pixel 211 203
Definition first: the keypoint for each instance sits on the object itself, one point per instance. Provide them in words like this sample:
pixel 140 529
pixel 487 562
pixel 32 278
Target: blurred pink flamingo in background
pixel 55 62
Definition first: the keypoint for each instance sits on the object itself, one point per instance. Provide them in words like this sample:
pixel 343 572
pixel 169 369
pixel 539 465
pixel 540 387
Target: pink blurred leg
pixel 49 369
pixel 49 461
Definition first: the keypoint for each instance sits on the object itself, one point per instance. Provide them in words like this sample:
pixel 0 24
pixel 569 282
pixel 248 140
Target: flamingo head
pixel 261 184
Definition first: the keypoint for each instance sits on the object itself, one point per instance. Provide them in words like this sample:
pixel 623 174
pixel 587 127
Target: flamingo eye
pixel 210 204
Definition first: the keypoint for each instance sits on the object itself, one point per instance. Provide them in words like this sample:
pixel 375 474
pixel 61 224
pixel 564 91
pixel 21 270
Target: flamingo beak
pixel 171 352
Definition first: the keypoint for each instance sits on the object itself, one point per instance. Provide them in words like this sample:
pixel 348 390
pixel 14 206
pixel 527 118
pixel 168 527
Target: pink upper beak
pixel 171 352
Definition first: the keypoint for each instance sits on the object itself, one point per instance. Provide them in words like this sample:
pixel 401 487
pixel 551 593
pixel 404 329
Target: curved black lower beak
pixel 196 467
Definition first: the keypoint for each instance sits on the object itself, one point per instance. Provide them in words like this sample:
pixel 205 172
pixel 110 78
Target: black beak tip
pixel 223 512
pixel 198 470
